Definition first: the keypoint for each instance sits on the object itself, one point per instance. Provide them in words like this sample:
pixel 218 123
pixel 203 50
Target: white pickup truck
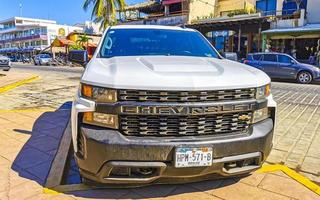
pixel 158 104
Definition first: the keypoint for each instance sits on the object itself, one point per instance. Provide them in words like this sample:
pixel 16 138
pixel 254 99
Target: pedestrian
pixel 312 60
pixel 318 59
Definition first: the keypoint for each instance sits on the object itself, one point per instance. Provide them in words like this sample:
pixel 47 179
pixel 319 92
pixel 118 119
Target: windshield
pixel 136 42
pixel 44 56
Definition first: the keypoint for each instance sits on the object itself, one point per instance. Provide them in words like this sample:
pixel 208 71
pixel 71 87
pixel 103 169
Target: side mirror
pixel 292 62
pixel 79 57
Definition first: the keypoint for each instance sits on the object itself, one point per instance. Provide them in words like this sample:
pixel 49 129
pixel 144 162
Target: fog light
pixel 101 119
pixel 260 115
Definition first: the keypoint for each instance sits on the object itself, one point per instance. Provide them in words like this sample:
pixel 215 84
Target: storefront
pixel 300 42
pixel 241 34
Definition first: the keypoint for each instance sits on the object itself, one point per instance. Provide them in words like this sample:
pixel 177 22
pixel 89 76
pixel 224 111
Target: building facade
pixel 19 34
pixel 297 31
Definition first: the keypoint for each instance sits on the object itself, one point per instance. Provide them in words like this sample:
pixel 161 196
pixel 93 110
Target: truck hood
pixel 171 73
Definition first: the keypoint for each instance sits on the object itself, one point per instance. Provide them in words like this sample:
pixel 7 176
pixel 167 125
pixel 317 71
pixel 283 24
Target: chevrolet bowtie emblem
pixel 244 117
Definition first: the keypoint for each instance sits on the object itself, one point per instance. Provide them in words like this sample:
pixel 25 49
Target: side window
pixel 270 58
pixel 284 59
pixel 257 57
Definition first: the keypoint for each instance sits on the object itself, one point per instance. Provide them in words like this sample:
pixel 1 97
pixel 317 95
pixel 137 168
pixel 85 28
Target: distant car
pixel 26 59
pixel 42 59
pixel 230 56
pixel 5 63
pixel 280 65
pixel 13 59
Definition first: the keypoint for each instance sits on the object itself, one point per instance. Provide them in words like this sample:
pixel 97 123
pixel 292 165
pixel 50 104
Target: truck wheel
pixel 304 77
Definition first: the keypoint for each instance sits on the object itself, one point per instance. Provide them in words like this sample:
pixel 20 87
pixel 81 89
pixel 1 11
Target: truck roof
pixel 151 27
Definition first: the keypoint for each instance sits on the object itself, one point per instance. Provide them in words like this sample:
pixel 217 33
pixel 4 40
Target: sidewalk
pixel 30 138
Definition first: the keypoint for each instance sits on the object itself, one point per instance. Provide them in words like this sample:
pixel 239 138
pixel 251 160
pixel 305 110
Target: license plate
pixel 193 157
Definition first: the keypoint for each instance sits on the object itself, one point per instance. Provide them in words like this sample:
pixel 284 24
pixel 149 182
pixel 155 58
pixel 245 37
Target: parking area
pixel 34 120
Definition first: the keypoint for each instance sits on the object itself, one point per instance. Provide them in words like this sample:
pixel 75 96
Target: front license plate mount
pixel 193 157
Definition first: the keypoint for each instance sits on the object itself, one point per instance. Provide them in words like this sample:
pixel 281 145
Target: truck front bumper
pixel 108 156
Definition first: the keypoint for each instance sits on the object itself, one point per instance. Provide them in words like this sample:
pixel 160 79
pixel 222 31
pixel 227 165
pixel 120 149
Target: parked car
pixel 13 58
pixel 42 59
pixel 5 63
pixel 280 65
pixel 158 104
pixel 230 56
pixel 26 59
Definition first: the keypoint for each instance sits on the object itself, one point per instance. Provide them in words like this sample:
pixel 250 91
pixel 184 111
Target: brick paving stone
pixel 4 196
pixel 254 179
pixel 287 187
pixel 104 194
pixel 24 190
pixel 276 156
pixel 244 191
pixel 50 197
pixel 312 165
pixel 188 193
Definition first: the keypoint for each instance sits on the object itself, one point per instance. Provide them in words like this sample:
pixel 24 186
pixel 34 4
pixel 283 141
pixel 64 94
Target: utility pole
pixel 20 9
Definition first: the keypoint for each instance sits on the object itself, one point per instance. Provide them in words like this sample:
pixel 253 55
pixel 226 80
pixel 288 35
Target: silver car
pixel 5 63
pixel 42 59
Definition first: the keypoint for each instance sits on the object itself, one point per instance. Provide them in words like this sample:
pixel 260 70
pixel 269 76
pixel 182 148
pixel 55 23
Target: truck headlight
pixel 260 115
pixel 263 92
pixel 101 119
pixel 99 94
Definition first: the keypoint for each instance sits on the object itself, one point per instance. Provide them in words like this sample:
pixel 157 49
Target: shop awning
pixel 145 7
pixel 309 28
pixel 168 2
pixel 62 42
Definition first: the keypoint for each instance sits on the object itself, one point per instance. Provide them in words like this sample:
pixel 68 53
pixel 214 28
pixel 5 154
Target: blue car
pixel 279 65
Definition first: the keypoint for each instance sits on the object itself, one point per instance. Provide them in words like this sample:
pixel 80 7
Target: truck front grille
pixel 185 96
pixel 137 125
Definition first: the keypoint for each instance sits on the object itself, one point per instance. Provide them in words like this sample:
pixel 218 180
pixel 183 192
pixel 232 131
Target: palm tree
pixel 83 40
pixel 104 11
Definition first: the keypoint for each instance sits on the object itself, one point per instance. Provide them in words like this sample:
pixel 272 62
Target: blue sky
pixel 63 11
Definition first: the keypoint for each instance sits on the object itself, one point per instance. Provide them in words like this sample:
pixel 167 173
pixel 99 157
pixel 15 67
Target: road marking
pixel 292 174
pixel 17 84
pixel 49 191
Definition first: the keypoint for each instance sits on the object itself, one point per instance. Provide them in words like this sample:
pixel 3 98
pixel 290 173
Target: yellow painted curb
pixel 293 174
pixel 49 191
pixel 17 84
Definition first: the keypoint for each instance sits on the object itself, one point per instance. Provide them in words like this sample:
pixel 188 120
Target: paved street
pixel 56 86
pixel 296 142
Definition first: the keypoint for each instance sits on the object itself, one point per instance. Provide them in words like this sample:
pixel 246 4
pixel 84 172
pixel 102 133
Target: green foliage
pixel 83 40
pixel 104 11
pixel 76 47
pixel 239 12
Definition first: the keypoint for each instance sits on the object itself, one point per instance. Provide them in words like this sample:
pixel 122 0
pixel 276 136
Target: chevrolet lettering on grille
pixel 185 110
